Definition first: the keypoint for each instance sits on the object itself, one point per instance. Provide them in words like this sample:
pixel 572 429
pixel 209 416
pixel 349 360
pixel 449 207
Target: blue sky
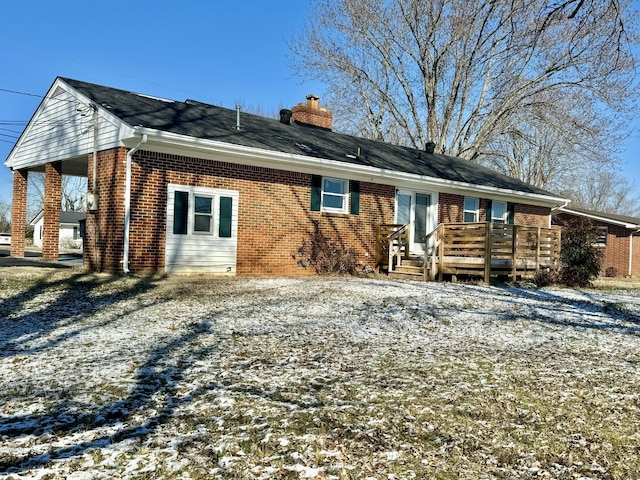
pixel 217 52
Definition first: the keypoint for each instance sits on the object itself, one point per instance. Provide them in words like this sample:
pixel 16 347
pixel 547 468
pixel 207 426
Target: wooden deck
pixel 484 250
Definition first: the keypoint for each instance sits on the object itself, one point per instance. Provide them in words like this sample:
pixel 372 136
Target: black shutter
pixel 180 212
pixel 354 204
pixel 511 213
pixel 224 229
pixel 488 211
pixel 316 192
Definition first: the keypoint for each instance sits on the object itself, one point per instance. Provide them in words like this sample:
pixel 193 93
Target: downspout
pixel 127 204
pixel 631 252
pixel 557 207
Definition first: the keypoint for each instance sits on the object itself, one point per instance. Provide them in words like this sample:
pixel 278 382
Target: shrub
pixel 580 259
pixel 325 256
pixel 611 272
pixel 545 278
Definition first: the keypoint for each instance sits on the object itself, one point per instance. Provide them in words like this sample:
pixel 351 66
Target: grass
pixel 316 378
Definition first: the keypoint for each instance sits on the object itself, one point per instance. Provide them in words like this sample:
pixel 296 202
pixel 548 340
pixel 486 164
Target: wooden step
pixel 413 269
pixel 413 262
pixel 407 276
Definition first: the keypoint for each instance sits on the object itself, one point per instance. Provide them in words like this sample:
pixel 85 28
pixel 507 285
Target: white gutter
pixel 556 208
pixel 223 151
pixel 127 204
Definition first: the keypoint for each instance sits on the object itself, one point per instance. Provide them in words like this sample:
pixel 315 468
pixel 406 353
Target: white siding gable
pixel 62 128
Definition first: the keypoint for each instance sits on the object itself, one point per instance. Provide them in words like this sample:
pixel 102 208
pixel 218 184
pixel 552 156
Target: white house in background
pixel 71 229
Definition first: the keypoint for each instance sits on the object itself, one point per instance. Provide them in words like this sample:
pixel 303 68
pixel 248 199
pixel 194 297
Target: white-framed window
pixel 195 213
pixel 335 195
pixel 202 214
pixel 499 212
pixel 471 209
pixel 603 231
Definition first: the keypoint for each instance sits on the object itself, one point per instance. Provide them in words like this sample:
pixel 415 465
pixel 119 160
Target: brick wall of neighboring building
pixel 19 213
pixel 635 266
pixel 52 208
pixel 273 219
pixel 616 251
pixel 104 237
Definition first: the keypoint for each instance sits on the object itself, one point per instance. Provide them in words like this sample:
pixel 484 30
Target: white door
pixel 415 209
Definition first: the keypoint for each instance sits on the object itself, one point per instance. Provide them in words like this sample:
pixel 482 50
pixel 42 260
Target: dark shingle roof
pixel 611 216
pixel 204 121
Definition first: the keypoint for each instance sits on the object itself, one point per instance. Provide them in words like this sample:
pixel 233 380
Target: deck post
pixel 441 254
pixel 538 250
pixel 487 252
pixel 514 253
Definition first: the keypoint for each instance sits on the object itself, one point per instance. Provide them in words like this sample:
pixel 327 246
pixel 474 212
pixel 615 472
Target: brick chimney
pixel 311 114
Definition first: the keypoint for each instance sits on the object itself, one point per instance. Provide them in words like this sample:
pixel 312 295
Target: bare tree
pixel 603 191
pixel 468 74
pixel 5 217
pixel 74 191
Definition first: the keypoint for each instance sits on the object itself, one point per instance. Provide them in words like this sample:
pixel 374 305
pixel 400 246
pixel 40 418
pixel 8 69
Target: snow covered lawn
pixel 327 378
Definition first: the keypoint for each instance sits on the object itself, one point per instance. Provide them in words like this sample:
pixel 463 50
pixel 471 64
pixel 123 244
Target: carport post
pixel 19 213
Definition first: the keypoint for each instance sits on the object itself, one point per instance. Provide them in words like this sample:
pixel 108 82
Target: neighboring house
pixel 190 187
pixel 619 239
pixel 70 233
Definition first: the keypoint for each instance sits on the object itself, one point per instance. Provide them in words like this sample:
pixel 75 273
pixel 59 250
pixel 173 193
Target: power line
pixel 9 130
pixel 20 93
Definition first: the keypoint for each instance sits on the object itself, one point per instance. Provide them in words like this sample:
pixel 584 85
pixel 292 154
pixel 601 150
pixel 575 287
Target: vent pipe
pixel 238 107
pixel 285 116
pixel 430 147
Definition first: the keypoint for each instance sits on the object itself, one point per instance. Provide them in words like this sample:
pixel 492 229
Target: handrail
pixel 432 248
pixel 396 233
pixel 398 243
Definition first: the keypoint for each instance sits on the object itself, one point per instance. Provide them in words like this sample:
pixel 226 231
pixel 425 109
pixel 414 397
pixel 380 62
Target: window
pixel 203 214
pixel 603 230
pixel 202 211
pixel 499 212
pixel 335 195
pixel 471 209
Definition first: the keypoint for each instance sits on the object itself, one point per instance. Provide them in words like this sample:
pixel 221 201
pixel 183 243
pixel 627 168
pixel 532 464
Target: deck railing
pixel 491 249
pixel 478 249
pixel 392 245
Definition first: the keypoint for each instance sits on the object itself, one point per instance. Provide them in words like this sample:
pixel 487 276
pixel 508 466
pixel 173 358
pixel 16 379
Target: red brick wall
pixel 104 240
pixel 273 216
pixel 19 212
pixel 451 209
pixel 52 208
pixel 531 215
pixel 303 113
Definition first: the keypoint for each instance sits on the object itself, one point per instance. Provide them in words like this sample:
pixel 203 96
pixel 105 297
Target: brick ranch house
pixel 619 239
pixel 190 187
